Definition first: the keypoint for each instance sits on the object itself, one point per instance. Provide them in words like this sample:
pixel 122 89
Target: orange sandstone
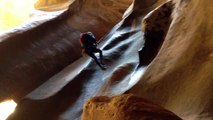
pixel 124 107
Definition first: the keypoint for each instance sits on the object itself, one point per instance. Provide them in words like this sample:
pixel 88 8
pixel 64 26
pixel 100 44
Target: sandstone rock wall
pixel 52 5
pixel 180 77
pixel 31 55
pixel 124 107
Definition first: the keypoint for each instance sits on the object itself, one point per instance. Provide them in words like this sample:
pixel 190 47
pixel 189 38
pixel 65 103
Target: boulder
pixel 124 107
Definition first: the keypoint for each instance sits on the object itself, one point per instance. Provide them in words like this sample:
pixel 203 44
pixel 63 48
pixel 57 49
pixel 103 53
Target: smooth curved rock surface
pixel 29 57
pixel 68 93
pixel 180 77
pixel 34 53
pixel 97 15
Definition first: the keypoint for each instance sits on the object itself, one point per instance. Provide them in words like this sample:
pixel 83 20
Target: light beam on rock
pixel 6 108
pixel 14 12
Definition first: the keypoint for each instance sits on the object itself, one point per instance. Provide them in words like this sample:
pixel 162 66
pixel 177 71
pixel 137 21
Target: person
pixel 89 46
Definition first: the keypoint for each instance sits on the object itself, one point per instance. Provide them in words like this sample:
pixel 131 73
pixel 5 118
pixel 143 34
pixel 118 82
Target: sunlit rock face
pixel 52 5
pixel 180 77
pixel 14 13
pixel 124 107
pixel 6 108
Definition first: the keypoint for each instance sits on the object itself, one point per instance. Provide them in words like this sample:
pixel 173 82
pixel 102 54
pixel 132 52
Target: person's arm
pixel 83 53
pixel 92 38
pixel 95 42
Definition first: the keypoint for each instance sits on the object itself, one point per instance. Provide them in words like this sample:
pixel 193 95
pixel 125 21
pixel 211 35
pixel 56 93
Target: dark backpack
pixel 87 40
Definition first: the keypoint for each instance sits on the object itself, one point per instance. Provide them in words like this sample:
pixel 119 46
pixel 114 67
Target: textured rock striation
pixel 124 107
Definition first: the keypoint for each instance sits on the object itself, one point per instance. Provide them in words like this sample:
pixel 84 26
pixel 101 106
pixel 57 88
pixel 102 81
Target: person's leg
pixel 91 54
pixel 100 53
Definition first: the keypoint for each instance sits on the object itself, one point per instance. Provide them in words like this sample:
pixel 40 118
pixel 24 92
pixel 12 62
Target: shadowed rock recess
pixel 158 55
pixel 155 26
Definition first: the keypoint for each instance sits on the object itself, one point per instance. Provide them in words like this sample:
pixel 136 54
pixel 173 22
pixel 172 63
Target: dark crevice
pixel 154 36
